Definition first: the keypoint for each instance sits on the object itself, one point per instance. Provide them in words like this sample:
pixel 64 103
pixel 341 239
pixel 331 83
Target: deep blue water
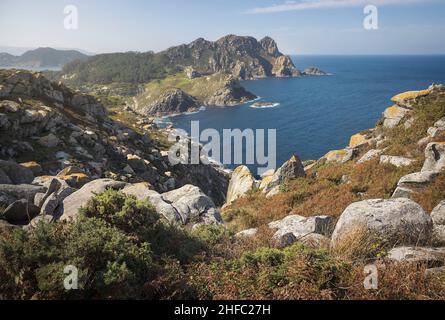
pixel 318 114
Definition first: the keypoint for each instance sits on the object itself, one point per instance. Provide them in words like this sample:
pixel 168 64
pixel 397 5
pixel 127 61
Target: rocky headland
pixel 183 78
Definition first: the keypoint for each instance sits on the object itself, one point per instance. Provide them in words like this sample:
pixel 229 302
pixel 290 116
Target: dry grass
pixel 430 196
pixel 359 245
pixel 328 192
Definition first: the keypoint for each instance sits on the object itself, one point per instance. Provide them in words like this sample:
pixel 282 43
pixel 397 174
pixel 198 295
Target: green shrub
pixel 210 234
pixel 122 211
pixel 118 244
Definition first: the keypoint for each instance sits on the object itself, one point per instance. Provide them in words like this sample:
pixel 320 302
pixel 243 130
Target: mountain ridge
pixel 42 57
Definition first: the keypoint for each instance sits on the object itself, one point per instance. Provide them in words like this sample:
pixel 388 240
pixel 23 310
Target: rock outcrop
pixel 295 228
pixel 171 101
pixel 396 161
pixel 425 255
pixel 230 94
pixel 434 157
pixel 313 71
pixel 291 169
pixel 396 221
pixel 241 182
pixel 80 198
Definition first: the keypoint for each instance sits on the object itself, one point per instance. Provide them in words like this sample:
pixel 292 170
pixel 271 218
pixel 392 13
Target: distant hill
pixel 243 57
pixel 40 58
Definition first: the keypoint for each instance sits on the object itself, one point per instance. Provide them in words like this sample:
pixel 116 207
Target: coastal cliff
pixel 85 184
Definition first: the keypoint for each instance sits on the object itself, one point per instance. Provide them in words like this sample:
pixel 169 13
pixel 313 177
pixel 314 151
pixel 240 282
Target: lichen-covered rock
pixel 241 182
pixel 434 157
pixel 394 115
pixel 341 156
pixel 407 99
pixel 358 140
pixel 396 221
pixel 266 178
pixel 33 166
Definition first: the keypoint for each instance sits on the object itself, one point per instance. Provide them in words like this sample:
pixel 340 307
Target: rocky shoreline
pixel 405 227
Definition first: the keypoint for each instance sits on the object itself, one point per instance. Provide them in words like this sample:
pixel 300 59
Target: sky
pixel 299 27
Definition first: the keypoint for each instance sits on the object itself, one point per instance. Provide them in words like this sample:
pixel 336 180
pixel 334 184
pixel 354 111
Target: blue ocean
pixel 316 114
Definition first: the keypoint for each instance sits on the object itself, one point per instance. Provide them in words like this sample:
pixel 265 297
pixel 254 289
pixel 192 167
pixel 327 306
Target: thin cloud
pixel 324 4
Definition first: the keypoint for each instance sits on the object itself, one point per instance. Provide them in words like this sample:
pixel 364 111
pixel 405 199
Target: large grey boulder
pixel 431 256
pixel 434 157
pixel 294 228
pixel 143 191
pixel 167 210
pixel 139 190
pixel 241 182
pixel 193 205
pixel 438 129
pixel 408 184
pixel 4 178
pixel 438 235
pixel 80 198
pixel 181 206
pixel 438 213
pixel 396 161
pixel 20 212
pixel 57 191
pixel 16 173
pixel 10 193
pixel 291 169
pixel 396 221
pixel 394 115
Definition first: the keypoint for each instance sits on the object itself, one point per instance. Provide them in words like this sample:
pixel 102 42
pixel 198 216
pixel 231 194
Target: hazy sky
pixel 304 27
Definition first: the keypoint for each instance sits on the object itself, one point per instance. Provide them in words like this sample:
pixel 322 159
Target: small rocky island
pixel 264 104
pixel 313 71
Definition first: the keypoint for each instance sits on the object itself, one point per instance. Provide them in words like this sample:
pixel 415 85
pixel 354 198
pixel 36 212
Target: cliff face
pixel 244 57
